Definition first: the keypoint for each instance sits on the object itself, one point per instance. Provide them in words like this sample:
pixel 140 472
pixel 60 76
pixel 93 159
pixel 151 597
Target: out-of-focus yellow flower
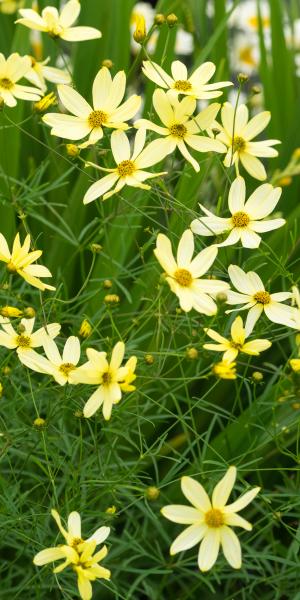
pixel 40 73
pixel 192 353
pixel 59 24
pixel 224 369
pixel 140 32
pixel 11 71
pixel 20 260
pixel 10 311
pixel 237 343
pixel 44 103
pixel 285 181
pixel 8 7
pixel 39 423
pixel 152 493
pixel 295 364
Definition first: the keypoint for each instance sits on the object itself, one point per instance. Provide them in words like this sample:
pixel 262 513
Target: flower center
pixel 66 368
pixel 236 345
pixel 11 267
pixel 214 518
pixel 239 144
pixel 97 118
pixel 106 378
pixel 183 277
pixel 75 542
pixel 126 167
pixel 262 297
pixel 6 83
pixel 23 341
pixel 245 55
pixel 182 85
pixel 253 21
pixel 178 130
pixel 240 219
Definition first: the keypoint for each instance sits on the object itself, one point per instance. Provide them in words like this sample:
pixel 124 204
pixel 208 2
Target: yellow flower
pixel 210 521
pixel 44 103
pixel 180 83
pixel 183 274
pixel 85 329
pixel 23 339
pixel 224 369
pixel 253 295
pixel 246 217
pixel 140 32
pixel 107 110
pixel 180 127
pixel 78 553
pixel 10 311
pixel 59 25
pixel 39 73
pixel 236 344
pixel 11 71
pixel 20 261
pixel 130 166
pixel 111 378
pixel 295 364
pixel 237 133
pixel 8 7
pixel 61 368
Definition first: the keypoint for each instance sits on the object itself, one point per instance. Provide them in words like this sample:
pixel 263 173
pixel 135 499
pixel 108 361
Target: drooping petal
pixel 100 187
pixel 249 238
pixel 94 402
pixel 154 72
pixel 48 555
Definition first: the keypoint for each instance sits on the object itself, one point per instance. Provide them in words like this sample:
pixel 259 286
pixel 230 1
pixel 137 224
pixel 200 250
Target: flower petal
pixel 184 515
pixel 223 489
pixel 188 538
pixel 209 549
pixel 195 493
pixel 237 195
pixel 231 547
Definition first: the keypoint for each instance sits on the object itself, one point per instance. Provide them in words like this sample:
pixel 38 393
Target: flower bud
pixel 284 181
pixel 39 423
pixel 44 103
pixel 107 63
pixel 221 297
pixel 96 248
pixel 257 376
pixel 112 299
pixel 111 510
pixel 140 33
pixel 10 311
pixel 72 150
pixel 152 493
pixel 6 370
pixel 192 353
pixel 29 312
pixel 295 365
pixel 85 329
pixel 107 284
pixel 242 78
pixel 172 20
pixel 149 359
pixel 159 19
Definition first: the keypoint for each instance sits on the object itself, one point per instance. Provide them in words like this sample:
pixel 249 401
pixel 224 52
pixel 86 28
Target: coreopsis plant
pixel 247 218
pixel 180 82
pixel 107 110
pixel 12 69
pixel 210 521
pixel 237 343
pixel 253 296
pixel 59 25
pixel 181 129
pixel 23 337
pixel 184 275
pixel 77 553
pixel 20 260
pixel 61 367
pixel 224 369
pixel 237 133
pixel 130 165
pixel 40 73
pixel 111 378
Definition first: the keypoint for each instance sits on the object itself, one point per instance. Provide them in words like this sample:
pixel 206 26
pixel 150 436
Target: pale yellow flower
pixel 130 165
pixel 60 367
pixel 8 7
pixel 295 364
pixel 107 110
pixel 237 343
pixel 224 369
pixel 39 73
pixel 110 377
pixel 11 71
pixel 252 295
pixel 20 261
pixel 183 274
pixel 24 338
pixel 180 127
pixel 237 133
pixel 77 553
pixel 59 25
pixel 180 83
pixel 246 219
pixel 210 521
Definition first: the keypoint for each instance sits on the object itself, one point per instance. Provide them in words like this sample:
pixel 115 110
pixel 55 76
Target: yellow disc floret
pixel 126 168
pixel 97 118
pixel 262 297
pixel 240 219
pixel 214 518
pixel 182 85
pixel 183 277
pixel 239 144
pixel 178 130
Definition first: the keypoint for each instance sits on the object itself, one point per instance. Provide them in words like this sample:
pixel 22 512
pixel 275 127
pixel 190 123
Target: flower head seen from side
pixel 296 303
pixel 246 220
pixel 20 260
pixel 24 338
pixel 224 369
pixel 252 295
pixel 210 521
pixel 180 129
pixel 60 367
pixel 11 71
pixel 237 133
pixel 180 82
pixel 107 110
pixel 110 376
pixel 130 166
pixel 77 553
pixel 39 73
pixel 237 343
pixel 184 274
pixel 59 25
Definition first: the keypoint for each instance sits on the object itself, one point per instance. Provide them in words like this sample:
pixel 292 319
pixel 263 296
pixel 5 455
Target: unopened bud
pixel 85 329
pixel 172 20
pixel 1 389
pixel 149 359
pixel 44 103
pixel 152 493
pixel 29 312
pixel 107 63
pixel 242 78
pixel 96 248
pixel 159 19
pixel 178 311
pixel 10 311
pixel 255 90
pixel 284 181
pixel 21 328
pixel 107 284
pixel 221 297
pixel 295 365
pixel 78 414
pixel 112 299
pixel 111 510
pixel 39 423
pixel 6 370
pixel 257 376
pixel 72 150
pixel 140 33
pixel 192 353
pixel 296 153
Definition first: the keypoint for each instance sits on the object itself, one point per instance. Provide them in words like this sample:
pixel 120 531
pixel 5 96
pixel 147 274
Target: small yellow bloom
pixel 224 370
pixel 20 261
pixel 44 103
pixel 237 343
pixel 11 71
pixel 111 299
pixel 210 521
pixel 39 422
pixel 61 367
pixel 10 311
pixel 140 33
pixel 85 329
pixel 295 364
pixel 72 150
